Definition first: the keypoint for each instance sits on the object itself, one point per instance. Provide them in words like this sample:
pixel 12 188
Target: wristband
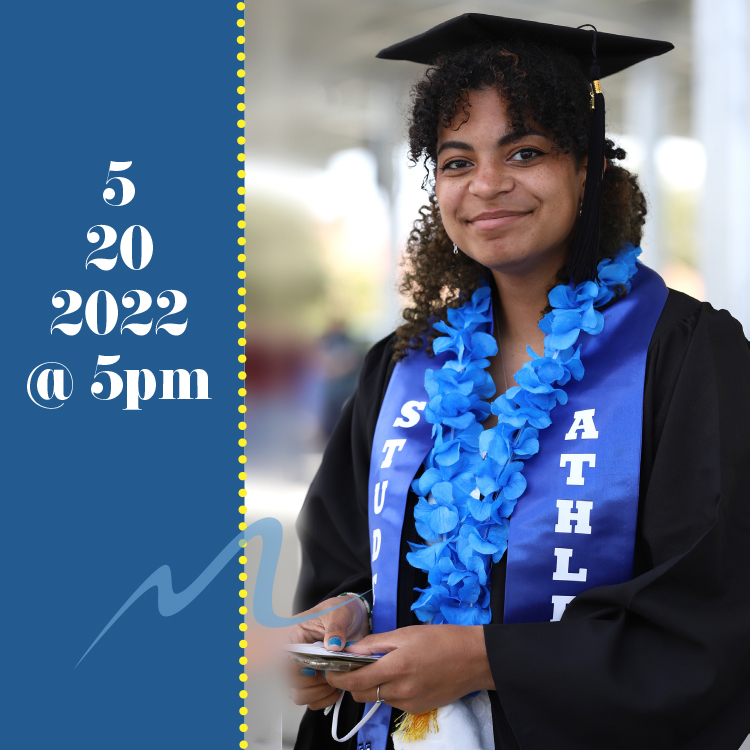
pixel 365 602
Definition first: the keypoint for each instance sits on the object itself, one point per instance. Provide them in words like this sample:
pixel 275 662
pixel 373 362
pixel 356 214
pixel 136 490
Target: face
pixel 508 200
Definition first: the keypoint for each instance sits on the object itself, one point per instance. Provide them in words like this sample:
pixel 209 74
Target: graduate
pixel 538 500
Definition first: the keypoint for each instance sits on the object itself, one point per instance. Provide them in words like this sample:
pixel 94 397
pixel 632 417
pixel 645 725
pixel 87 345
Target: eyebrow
pixel 515 135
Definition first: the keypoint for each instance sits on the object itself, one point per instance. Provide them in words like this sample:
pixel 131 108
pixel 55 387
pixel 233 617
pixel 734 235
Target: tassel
pixel 584 256
pixel 410 728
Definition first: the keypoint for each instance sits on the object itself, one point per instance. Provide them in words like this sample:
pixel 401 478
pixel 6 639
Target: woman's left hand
pixel 425 667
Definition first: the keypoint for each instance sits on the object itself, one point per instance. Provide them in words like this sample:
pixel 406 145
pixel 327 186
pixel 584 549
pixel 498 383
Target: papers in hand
pixel 319 650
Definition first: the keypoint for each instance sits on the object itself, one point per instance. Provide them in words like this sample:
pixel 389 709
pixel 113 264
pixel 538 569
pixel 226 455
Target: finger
pixel 304 678
pixel 336 626
pixel 325 702
pixel 312 695
pixel 378 643
pixel 364 678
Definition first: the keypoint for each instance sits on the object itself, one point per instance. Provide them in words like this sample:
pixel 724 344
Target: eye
pixel 455 164
pixel 526 154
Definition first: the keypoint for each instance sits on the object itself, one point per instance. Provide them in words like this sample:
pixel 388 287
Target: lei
pixel 474 477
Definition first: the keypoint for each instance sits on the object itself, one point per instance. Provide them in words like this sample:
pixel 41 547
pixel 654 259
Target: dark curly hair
pixel 541 85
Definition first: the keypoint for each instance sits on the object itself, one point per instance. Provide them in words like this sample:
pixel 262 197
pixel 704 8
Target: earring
pixel 455 249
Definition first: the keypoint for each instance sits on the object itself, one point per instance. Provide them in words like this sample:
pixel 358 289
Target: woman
pixel 579 546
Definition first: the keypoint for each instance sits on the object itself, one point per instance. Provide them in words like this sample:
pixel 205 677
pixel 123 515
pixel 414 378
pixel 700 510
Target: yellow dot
pixel 242 324
pixel 242 342
pixel 240 6
pixel 240 40
pixel 241 375
pixel 243 610
pixel 242 459
pixel 242 409
pixel 243 644
pixel 241 190
pixel 243 625
pixel 243 660
pixel 242 392
pixel 242 477
pixel 244 744
pixel 243 678
pixel 243 576
pixel 241 274
pixel 240 89
pixel 240 107
pixel 242 493
pixel 241 240
pixel 243 694
pixel 243 711
pixel 240 157
pixel 241 308
pixel 242 426
pixel 241 124
pixel 241 258
pixel 242 292
pixel 243 560
pixel 240 56
pixel 243 593
pixel 241 141
pixel 241 74
pixel 242 358
pixel 240 22
pixel 242 442
pixel 243 543
pixel 241 224
pixel 242 526
pixel 242 509
pixel 241 207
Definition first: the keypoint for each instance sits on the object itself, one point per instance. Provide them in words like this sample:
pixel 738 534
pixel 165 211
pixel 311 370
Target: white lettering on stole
pixel 558 606
pixel 379 499
pixel 410 410
pixel 375 544
pixel 563 561
pixel 566 514
pixel 576 461
pixel 390 447
pixel 374 581
pixel 583 420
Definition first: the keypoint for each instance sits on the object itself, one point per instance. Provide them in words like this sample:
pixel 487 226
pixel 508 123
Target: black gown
pixel 659 662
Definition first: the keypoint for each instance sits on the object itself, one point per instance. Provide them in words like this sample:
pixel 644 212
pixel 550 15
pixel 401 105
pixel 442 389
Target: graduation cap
pixel 599 54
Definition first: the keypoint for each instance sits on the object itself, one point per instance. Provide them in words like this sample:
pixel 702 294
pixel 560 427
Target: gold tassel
pixel 410 728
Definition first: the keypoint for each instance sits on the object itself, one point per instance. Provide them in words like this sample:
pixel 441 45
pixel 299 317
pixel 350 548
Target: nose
pixel 490 179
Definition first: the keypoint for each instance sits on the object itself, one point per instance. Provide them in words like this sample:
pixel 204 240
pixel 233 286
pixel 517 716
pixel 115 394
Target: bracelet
pixel 365 602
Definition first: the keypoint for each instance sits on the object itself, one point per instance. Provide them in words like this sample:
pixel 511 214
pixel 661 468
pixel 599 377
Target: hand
pixel 335 629
pixel 425 667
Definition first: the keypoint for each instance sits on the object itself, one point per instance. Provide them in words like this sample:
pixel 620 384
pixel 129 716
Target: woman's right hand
pixel 336 629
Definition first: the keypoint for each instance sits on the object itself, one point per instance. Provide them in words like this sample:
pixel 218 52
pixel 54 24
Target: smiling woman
pixel 551 451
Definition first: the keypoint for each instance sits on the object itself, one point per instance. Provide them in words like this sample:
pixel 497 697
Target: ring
pixel 379 699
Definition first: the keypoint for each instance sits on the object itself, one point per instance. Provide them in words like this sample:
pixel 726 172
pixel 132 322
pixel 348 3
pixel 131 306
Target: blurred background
pixel 331 199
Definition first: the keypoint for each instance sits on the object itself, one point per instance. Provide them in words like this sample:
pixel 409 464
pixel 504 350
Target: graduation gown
pixel 661 661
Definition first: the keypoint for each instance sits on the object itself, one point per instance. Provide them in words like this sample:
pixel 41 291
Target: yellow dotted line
pixel 242 392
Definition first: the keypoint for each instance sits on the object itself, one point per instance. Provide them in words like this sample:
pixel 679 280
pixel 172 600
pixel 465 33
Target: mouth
pixel 496 219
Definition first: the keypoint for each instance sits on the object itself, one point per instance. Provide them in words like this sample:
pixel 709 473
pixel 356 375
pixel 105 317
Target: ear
pixel 582 173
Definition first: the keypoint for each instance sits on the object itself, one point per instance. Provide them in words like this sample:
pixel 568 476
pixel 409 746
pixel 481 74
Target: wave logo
pixel 170 603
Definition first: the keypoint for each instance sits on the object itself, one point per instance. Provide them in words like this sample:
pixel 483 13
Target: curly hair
pixel 539 84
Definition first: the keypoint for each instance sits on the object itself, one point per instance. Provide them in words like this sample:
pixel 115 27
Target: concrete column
pixel 721 106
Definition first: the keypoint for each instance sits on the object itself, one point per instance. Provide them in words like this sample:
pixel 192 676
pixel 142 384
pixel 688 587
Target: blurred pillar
pixel 645 96
pixel 721 107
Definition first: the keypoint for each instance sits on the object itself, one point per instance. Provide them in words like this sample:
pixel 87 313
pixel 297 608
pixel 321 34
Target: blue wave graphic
pixel 271 532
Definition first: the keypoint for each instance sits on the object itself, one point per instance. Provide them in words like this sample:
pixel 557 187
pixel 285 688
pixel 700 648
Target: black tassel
pixel 584 256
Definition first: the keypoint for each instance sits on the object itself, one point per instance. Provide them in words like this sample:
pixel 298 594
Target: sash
pixel 574 526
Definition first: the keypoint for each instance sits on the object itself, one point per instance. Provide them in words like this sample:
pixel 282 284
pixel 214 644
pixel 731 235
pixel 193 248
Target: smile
pixel 496 220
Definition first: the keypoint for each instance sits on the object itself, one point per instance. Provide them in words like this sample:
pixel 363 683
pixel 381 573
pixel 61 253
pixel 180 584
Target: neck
pixel 522 299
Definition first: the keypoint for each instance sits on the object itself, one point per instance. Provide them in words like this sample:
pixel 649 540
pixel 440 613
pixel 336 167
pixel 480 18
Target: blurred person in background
pixel 552 450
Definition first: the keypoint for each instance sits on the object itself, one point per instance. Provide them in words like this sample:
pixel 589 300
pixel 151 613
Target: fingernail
pixel 308 672
pixel 324 673
pixel 349 643
pixel 334 641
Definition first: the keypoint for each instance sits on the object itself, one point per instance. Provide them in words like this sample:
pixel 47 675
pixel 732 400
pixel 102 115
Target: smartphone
pixel 316 656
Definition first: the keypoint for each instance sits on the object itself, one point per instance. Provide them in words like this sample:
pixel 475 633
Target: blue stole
pixel 573 529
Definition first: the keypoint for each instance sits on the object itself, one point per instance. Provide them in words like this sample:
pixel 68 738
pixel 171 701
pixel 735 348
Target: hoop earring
pixel 455 249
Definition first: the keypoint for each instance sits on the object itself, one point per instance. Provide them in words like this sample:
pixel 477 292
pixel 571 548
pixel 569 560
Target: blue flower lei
pixel 473 477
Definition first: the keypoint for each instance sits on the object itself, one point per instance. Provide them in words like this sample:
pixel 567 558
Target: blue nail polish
pixel 334 641
pixel 349 643
pixel 308 672
pixel 324 673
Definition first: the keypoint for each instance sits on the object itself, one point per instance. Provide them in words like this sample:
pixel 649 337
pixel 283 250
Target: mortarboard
pixel 600 54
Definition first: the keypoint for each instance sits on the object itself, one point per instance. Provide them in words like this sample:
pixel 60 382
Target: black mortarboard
pixel 599 54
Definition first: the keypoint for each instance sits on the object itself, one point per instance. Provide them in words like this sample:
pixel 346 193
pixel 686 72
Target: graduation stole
pixel 574 527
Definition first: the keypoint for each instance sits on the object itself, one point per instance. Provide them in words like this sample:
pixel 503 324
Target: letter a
pixel 583 420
